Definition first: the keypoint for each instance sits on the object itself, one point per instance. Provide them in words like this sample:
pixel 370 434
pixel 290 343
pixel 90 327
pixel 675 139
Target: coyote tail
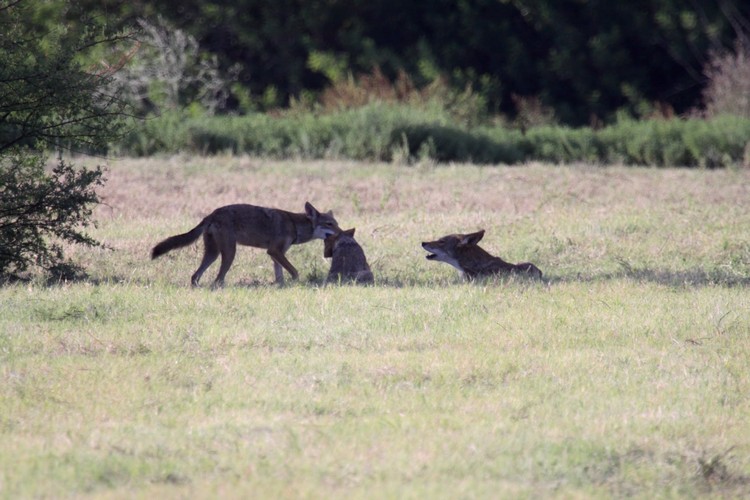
pixel 179 240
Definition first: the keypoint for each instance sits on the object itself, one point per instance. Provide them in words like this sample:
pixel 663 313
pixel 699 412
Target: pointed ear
pixel 472 239
pixel 311 212
pixel 348 232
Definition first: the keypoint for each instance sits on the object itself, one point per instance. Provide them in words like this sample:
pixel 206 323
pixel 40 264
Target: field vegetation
pixel 624 373
pixel 388 132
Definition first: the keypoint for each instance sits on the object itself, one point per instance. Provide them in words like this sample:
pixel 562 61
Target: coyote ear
pixel 311 212
pixel 348 232
pixel 473 238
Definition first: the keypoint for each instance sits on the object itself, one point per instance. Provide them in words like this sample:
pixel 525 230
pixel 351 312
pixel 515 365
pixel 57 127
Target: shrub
pixel 466 107
pixel 446 144
pixel 37 208
pixel 49 101
pixel 728 88
pixel 719 142
pixel 166 70
pixel 563 144
pixel 383 132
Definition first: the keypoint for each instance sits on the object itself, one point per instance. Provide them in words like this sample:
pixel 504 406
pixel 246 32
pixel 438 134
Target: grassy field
pixel 625 373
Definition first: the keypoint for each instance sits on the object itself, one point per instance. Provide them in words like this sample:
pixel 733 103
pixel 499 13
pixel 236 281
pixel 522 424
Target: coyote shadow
pixel 687 278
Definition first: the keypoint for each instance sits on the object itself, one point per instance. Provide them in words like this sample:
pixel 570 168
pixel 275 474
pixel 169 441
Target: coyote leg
pixel 228 250
pixel 279 261
pixel 210 254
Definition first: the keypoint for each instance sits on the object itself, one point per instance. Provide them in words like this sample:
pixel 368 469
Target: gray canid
pixel 348 261
pixel 270 228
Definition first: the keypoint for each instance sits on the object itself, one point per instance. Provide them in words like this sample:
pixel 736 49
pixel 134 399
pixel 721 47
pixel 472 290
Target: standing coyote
pixel 348 261
pixel 462 252
pixel 270 228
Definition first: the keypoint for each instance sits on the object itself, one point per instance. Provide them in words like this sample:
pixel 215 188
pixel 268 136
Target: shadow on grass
pixel 689 278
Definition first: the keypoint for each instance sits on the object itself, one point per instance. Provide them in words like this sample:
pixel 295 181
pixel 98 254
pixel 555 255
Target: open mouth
pixel 430 255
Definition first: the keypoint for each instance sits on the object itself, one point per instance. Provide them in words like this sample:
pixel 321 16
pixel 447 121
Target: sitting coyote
pixel 270 228
pixel 348 261
pixel 462 252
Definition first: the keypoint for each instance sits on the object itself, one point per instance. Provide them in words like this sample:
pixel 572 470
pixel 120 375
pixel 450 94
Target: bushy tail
pixel 178 241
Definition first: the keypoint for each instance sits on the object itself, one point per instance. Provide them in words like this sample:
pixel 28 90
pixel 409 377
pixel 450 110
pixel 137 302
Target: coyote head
pixel 463 252
pixel 330 241
pixel 324 224
pixel 448 249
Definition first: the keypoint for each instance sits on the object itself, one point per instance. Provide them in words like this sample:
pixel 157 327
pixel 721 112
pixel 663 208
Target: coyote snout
pixel 463 252
pixel 348 261
pixel 270 228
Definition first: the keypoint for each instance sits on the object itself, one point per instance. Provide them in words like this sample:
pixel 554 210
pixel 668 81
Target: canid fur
pixel 270 228
pixel 463 252
pixel 348 261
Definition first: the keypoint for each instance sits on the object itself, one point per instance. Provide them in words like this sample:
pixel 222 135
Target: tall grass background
pixel 387 132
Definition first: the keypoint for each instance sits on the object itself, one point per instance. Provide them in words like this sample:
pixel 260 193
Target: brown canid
pixel 270 228
pixel 348 261
pixel 463 252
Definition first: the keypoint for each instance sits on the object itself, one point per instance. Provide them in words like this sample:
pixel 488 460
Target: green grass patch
pixel 622 374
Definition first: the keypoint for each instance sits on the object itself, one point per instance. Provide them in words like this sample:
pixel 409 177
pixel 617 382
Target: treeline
pixel 382 132
pixel 581 61
pixel 478 81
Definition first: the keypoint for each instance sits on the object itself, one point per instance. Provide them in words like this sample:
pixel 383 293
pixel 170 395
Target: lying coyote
pixel 348 261
pixel 462 252
pixel 270 228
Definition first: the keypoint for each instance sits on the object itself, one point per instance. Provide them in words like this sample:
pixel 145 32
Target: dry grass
pixel 139 188
pixel 582 222
pixel 623 374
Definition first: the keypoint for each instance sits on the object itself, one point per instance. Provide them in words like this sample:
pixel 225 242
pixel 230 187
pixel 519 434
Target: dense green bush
pixel 369 132
pixel 50 101
pixel 445 143
pixel 380 132
pixel 560 144
pixel 711 143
